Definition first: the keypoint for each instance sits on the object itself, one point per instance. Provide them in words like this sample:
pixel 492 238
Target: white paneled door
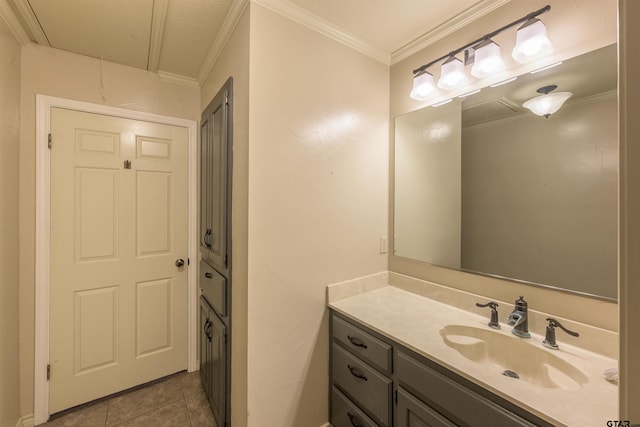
pixel 119 218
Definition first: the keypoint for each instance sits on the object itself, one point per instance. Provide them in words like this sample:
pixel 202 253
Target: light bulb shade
pixel 545 105
pixel 531 41
pixel 488 60
pixel 452 74
pixel 423 86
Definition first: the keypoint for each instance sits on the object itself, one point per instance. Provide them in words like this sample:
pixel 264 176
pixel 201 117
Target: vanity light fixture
pixel 531 41
pixel 547 103
pixel 485 56
pixel 423 85
pixel 452 74
pixel 488 59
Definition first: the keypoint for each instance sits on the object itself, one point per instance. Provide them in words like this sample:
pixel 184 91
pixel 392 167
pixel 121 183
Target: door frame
pixel 44 104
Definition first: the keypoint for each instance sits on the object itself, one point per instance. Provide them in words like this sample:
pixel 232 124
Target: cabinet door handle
pixel 207 329
pixel 208 275
pixel 357 373
pixel 207 241
pixel 356 341
pixel 355 421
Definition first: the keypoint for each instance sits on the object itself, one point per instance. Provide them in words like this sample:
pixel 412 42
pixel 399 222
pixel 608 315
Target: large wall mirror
pixel 483 185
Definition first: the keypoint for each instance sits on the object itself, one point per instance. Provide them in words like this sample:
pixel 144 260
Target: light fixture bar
pixel 485 37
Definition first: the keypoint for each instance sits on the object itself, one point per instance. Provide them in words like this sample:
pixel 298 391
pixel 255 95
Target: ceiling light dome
pixel 423 85
pixel 487 59
pixel 548 103
pixel 531 41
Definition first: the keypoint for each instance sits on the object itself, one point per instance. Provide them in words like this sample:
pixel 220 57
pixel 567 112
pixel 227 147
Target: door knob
pixel 179 263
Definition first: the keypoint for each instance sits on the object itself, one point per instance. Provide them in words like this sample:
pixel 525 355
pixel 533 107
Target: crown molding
pixel 448 27
pixel 233 17
pixel 158 20
pixel 316 23
pixel 178 79
pixel 16 28
pixel 29 19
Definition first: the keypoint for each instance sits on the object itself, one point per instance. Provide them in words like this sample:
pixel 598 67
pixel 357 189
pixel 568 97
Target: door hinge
pixel 49 141
pixel 48 372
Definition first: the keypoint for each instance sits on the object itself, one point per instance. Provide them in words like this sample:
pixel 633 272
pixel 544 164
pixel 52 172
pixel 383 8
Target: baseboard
pixel 26 421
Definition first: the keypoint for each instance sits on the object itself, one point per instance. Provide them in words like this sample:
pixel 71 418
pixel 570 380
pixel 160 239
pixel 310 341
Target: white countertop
pixel 415 322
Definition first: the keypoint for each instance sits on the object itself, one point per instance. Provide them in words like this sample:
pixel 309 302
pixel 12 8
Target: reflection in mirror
pixel 483 185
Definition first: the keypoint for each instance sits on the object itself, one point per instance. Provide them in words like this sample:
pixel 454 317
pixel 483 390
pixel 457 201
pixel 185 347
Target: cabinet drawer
pixel 214 288
pixel 362 383
pixel 344 413
pixel 456 401
pixel 366 346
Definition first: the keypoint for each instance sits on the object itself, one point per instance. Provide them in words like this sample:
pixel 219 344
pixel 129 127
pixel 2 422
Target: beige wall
pixel 234 62
pixel 629 211
pixel 574 27
pixel 61 74
pixel 9 240
pixel 318 156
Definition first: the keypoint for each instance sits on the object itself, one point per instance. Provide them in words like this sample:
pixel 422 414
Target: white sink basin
pixel 498 351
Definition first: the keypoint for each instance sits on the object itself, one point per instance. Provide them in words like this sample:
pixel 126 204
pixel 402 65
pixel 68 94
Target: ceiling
pixel 180 39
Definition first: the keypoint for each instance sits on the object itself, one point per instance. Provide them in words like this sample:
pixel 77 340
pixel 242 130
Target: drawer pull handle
pixel 355 421
pixel 356 341
pixel 357 373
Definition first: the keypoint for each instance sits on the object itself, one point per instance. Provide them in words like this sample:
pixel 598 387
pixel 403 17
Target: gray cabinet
pixel 376 381
pixel 215 179
pixel 411 412
pixel 214 276
pixel 213 360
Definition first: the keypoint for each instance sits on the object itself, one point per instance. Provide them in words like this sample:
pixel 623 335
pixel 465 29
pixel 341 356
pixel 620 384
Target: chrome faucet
pixel 518 319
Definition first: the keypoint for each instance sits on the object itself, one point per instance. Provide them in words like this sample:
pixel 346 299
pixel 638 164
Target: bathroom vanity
pixel 379 374
pixel 400 359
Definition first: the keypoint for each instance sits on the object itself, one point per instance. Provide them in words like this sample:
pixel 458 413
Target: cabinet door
pixel 411 412
pixel 218 360
pixel 215 162
pixel 205 346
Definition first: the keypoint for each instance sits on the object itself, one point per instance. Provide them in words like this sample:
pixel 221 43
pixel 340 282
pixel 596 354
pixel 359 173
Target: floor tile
pixel 138 402
pixel 171 415
pixel 190 384
pixel 200 411
pixel 92 415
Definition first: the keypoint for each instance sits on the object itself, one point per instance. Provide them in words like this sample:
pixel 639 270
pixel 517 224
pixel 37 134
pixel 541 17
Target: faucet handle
pixel 550 336
pixel 493 323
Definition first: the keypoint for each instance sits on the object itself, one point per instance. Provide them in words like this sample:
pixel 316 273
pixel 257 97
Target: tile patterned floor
pixel 175 401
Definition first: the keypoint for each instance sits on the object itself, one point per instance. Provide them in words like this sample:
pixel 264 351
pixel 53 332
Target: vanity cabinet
pixel 376 381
